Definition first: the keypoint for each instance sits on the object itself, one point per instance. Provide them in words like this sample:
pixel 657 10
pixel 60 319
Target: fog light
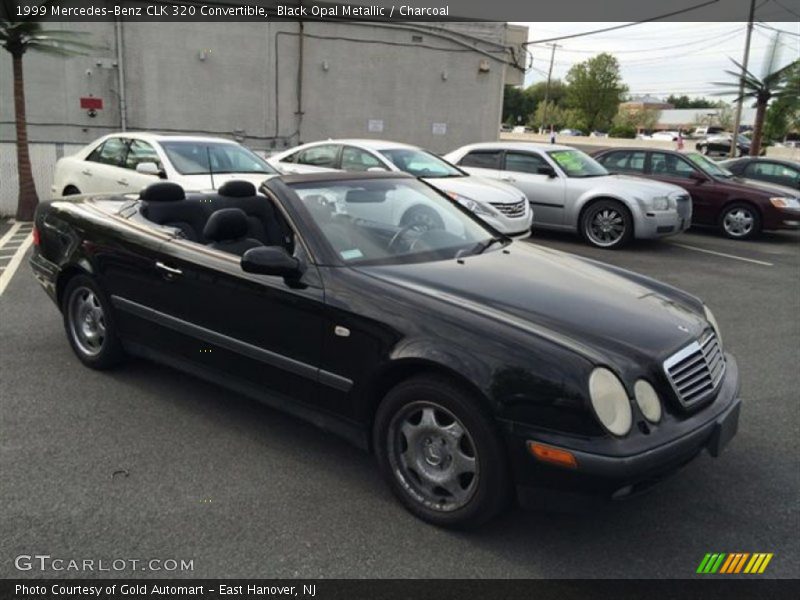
pixel 549 454
pixel 648 401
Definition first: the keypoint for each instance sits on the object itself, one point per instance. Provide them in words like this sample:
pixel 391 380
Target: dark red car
pixel 740 208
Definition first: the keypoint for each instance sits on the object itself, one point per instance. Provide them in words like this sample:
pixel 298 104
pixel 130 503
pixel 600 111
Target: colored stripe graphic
pixel 728 564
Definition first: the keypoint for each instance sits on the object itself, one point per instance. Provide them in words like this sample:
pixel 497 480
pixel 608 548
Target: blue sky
pixel 661 58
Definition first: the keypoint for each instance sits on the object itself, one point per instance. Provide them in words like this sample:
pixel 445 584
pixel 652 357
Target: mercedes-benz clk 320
pixel 476 368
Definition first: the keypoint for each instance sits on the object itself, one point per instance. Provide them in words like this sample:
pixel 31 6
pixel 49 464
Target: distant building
pixel 645 102
pixel 689 118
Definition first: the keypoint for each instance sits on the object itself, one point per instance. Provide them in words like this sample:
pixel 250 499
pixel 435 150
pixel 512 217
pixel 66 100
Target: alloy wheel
pixel 87 323
pixel 738 222
pixel 433 456
pixel 605 227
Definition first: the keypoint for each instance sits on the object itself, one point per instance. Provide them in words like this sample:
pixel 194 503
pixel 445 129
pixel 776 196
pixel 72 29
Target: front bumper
pixel 656 224
pixel 517 227
pixel 599 477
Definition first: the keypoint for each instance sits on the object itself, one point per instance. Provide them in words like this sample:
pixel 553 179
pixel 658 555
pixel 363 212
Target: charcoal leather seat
pixel 226 230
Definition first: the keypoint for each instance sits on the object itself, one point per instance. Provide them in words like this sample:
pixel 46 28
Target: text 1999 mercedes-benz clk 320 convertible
pixel 476 368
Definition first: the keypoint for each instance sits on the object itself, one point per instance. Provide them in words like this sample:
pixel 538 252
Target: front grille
pixel 696 371
pixel 684 206
pixel 516 209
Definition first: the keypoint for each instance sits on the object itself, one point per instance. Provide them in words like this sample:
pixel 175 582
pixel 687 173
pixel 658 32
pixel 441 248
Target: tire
pixel 89 324
pixel 740 221
pixel 606 224
pixel 703 149
pixel 70 190
pixel 423 218
pixel 440 453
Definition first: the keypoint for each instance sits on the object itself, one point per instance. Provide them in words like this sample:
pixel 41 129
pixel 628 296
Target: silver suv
pixel 570 191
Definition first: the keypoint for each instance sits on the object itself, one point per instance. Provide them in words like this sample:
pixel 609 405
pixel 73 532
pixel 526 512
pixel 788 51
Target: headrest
pixel 226 224
pixel 236 188
pixel 162 191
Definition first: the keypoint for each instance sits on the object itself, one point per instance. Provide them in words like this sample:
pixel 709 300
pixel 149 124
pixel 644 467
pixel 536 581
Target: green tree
pixel 517 105
pixel 774 83
pixel 783 115
pixel 19 37
pixel 685 101
pixel 595 90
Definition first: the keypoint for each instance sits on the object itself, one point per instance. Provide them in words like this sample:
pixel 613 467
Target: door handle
pixel 123 182
pixel 87 172
pixel 168 271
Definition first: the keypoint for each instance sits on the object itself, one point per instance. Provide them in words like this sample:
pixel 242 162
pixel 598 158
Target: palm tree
pixel 18 37
pixel 774 83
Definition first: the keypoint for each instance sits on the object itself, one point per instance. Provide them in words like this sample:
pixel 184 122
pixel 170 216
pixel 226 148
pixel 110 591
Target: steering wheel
pixel 399 235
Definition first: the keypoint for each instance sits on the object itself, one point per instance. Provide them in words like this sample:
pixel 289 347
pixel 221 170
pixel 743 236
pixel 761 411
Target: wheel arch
pixel 66 274
pixel 402 369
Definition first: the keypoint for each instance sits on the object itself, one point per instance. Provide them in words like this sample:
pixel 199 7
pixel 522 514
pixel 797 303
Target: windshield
pixel 391 221
pixel 420 163
pixel 192 158
pixel 708 166
pixel 575 163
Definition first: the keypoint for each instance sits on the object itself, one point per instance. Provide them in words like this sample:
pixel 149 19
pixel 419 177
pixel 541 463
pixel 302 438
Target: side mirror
pixel 271 260
pixel 150 168
pixel 697 177
pixel 546 170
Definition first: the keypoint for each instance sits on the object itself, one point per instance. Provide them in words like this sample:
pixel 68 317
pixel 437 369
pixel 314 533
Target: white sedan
pixel 500 205
pixel 127 162
pixel 570 191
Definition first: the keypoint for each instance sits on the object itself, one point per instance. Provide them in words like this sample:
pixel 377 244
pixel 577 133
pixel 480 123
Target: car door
pixel 486 163
pixel 707 199
pixel 138 152
pixel 628 162
pixel 544 192
pixel 103 170
pixel 256 333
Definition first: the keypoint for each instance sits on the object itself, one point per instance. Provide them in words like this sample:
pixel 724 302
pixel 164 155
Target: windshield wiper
pixel 483 246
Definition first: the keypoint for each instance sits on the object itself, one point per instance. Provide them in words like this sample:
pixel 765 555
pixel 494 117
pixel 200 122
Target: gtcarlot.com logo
pixel 734 563
pixel 45 562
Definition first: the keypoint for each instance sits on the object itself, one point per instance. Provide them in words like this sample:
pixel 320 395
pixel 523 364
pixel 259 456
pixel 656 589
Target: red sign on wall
pixel 91 103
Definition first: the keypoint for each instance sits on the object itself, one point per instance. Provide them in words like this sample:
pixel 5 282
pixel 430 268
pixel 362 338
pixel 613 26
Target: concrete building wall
pixel 244 81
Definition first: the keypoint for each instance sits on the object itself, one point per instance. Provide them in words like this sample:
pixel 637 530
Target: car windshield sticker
pixel 351 254
pixel 568 159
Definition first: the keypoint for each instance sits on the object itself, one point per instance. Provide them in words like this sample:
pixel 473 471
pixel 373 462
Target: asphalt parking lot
pixel 146 462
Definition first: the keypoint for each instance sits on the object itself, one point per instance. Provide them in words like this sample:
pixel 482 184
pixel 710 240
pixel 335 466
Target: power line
pixel 765 26
pixel 615 27
pixel 786 8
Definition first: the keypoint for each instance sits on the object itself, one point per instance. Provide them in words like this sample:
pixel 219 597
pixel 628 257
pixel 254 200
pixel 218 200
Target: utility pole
pixel 547 88
pixel 737 121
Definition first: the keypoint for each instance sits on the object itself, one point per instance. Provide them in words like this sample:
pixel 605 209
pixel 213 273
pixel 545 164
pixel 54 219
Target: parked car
pixel 665 136
pixel 497 203
pixel 505 128
pixel 701 132
pixel 569 191
pixel 720 145
pixel 572 132
pixel 130 161
pixel 740 208
pixel 470 364
pixel 771 170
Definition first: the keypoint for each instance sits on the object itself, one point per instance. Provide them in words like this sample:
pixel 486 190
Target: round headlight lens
pixel 648 401
pixel 710 318
pixel 610 401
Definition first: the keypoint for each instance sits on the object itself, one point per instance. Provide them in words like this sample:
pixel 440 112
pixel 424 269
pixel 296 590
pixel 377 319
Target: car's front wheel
pixel 90 325
pixel 441 454
pixel 703 149
pixel 740 221
pixel 607 224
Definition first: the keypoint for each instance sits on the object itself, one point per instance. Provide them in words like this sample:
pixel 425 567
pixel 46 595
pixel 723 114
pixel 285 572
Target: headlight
pixel 659 203
pixel 648 401
pixel 470 204
pixel 610 401
pixel 710 318
pixel 785 202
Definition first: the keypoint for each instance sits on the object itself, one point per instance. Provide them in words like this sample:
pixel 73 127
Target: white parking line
pixel 6 243
pixel 742 258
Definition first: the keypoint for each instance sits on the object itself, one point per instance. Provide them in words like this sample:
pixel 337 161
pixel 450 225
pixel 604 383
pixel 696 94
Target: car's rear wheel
pixel 441 454
pixel 607 224
pixel 740 221
pixel 90 325
pixel 703 149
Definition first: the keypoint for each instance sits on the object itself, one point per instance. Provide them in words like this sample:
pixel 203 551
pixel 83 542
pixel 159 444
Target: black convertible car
pixel 472 366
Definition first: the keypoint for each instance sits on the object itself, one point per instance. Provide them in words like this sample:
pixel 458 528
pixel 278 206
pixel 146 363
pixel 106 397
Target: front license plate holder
pixel 724 430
